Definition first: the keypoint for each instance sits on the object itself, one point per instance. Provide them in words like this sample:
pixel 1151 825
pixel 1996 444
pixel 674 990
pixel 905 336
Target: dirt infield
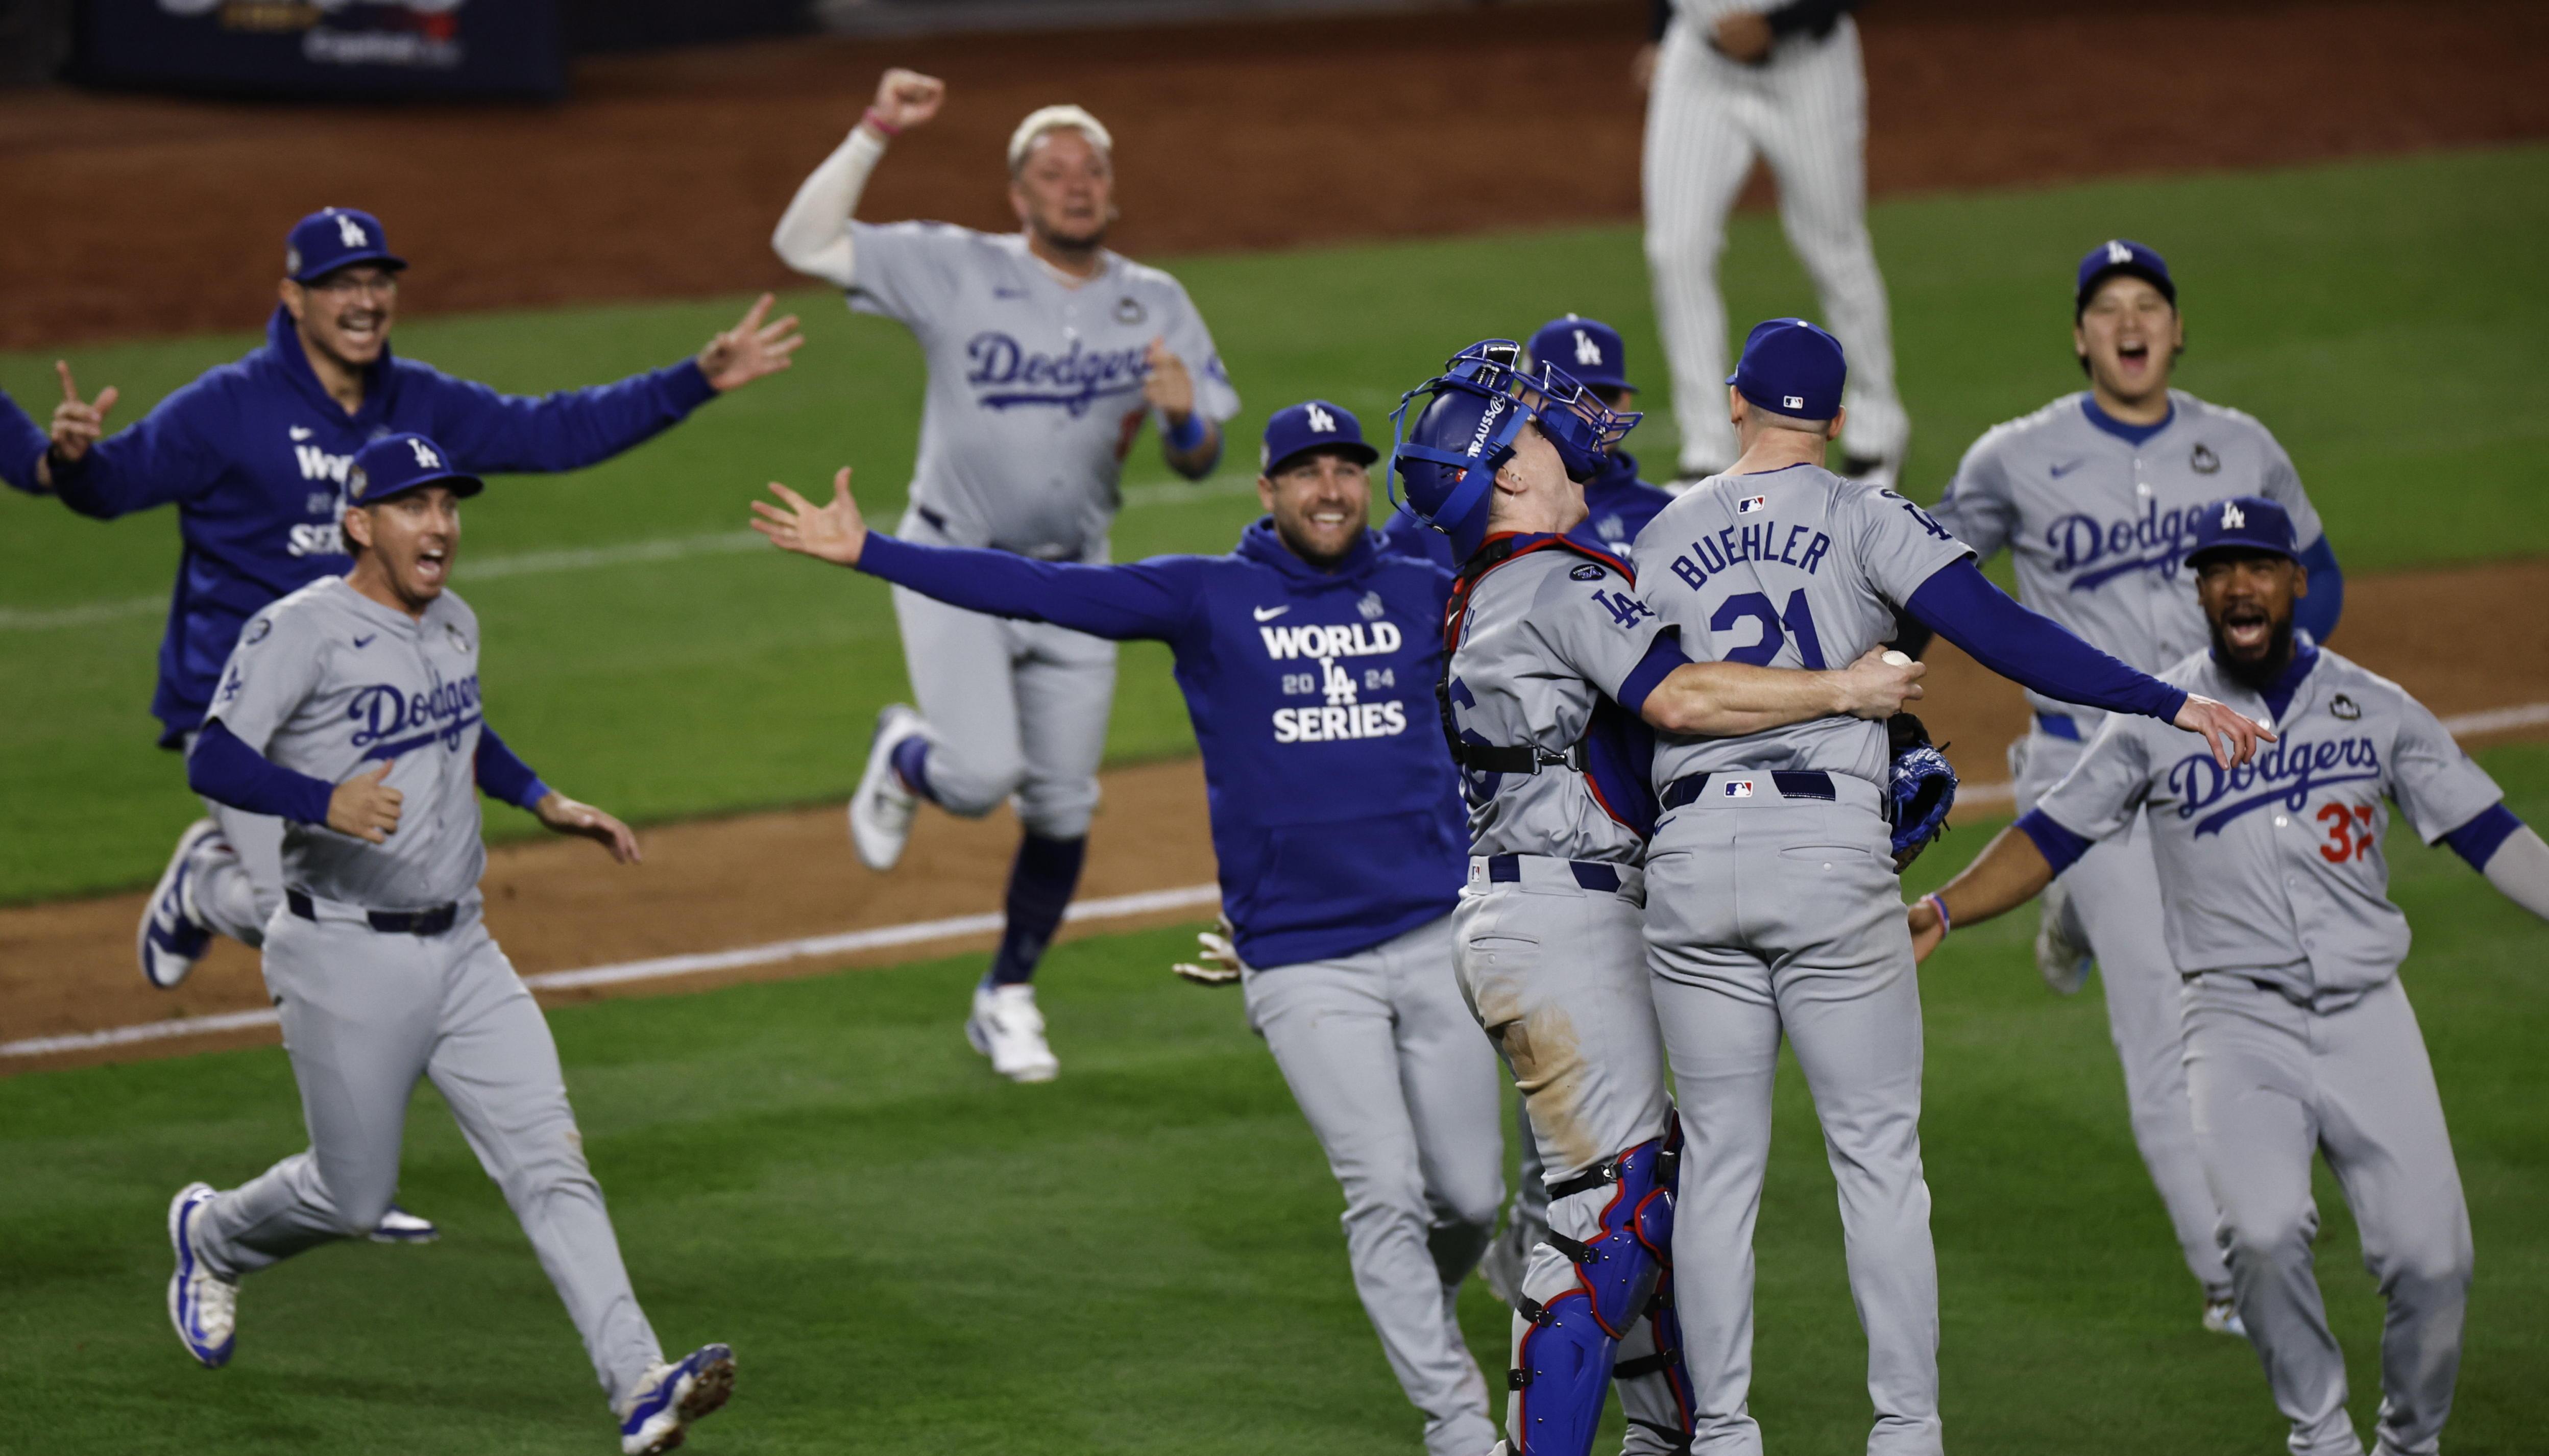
pixel 662 177
pixel 728 884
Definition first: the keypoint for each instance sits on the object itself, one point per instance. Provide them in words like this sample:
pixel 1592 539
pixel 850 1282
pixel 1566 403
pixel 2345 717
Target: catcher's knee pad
pixel 1565 1344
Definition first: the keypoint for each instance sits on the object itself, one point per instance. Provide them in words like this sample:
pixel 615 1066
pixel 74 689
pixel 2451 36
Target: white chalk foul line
pixel 846 943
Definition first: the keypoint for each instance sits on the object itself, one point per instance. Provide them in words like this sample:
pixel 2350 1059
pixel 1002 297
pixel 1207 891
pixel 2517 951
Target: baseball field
pixel 802 1155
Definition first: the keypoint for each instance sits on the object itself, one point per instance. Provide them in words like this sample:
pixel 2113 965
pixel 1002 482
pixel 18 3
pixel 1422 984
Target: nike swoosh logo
pixel 2060 471
pixel 301 431
pixel 365 641
pixel 1270 613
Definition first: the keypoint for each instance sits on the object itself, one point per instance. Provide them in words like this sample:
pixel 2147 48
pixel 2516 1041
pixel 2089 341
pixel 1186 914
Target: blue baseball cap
pixel 1790 367
pixel 1587 349
pixel 394 465
pixel 1313 424
pixel 335 237
pixel 2243 523
pixel 2121 255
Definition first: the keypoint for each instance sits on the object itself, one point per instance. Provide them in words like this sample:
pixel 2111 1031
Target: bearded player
pixel 1046 353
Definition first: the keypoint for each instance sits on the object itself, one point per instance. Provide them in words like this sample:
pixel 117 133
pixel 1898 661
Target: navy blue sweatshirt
pixel 1336 814
pixel 254 456
pixel 22 444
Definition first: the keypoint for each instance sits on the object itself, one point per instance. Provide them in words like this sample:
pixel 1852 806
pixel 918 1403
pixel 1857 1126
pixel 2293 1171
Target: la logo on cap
pixel 425 459
pixel 1587 351
pixel 1321 422
pixel 350 233
pixel 2116 252
pixel 2232 517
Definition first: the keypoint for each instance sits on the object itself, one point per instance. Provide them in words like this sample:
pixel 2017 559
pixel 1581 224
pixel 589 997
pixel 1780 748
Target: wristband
pixel 1189 436
pixel 1934 903
pixel 883 128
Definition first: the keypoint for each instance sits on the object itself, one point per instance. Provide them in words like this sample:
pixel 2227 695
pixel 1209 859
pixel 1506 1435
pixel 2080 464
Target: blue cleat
pixel 173 935
pixel 671 1397
pixel 201 1304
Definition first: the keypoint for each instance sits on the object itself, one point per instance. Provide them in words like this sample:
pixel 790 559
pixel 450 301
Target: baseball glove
pixel 1217 964
pixel 1920 788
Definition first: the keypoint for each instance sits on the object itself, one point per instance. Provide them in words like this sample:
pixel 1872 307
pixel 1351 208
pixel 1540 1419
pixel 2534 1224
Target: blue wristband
pixel 1187 436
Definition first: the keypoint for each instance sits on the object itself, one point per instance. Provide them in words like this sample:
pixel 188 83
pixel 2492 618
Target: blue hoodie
pixel 1617 506
pixel 254 456
pixel 22 444
pixel 1336 813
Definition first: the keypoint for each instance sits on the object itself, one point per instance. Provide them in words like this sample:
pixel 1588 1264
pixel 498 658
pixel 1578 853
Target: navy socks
pixel 1041 881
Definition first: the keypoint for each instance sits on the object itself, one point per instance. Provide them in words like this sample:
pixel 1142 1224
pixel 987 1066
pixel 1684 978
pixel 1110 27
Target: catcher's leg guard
pixel 1590 1282
pixel 1654 1385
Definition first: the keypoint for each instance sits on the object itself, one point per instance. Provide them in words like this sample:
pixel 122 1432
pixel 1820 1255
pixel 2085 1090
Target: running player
pixel 2298 1037
pixel 350 712
pixel 254 455
pixel 1046 353
pixel 1772 902
pixel 2095 495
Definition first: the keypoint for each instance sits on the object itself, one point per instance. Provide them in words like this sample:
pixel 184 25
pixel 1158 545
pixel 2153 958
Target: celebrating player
pixel 351 713
pixel 2095 495
pixel 1551 653
pixel 1729 80
pixel 2298 1035
pixel 1771 890
pixel 1046 351
pixel 254 455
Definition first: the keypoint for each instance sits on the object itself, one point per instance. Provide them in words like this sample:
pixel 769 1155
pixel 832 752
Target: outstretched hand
pixel 1926 929
pixel 568 816
pixel 835 533
pixel 77 424
pixel 748 351
pixel 2231 735
pixel 906 98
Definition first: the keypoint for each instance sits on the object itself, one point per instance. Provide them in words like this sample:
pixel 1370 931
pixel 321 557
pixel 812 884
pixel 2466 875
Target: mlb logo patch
pixel 1751 503
pixel 1738 788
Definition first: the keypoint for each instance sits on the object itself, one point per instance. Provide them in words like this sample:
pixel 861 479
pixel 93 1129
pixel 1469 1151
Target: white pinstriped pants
pixel 1805 111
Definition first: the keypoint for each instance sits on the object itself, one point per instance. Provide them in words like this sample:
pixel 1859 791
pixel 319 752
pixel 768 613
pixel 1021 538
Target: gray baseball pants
pixel 364 1015
pixel 236 897
pixel 1769 916
pixel 2273 1081
pixel 2115 890
pixel 1557 974
pixel 1013 709
pixel 1400 1090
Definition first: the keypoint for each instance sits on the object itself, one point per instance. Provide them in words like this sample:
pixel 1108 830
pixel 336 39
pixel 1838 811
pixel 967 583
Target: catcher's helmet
pixel 1463 434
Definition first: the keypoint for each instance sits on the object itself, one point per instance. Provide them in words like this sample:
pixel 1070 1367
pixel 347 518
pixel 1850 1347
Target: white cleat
pixel 1006 1028
pixel 2221 1317
pixel 174 934
pixel 2062 954
pixel 881 811
pixel 1509 1256
pixel 671 1397
pixel 398 1225
pixel 201 1304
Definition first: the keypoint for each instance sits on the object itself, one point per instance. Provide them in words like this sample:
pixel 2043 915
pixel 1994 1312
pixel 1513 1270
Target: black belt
pixel 1484 758
pixel 1507 870
pixel 431 922
pixel 936 521
pixel 1808 784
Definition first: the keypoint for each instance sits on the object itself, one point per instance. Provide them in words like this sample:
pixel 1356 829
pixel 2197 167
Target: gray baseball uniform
pixel 329 682
pixel 1772 908
pixel 2097 525
pixel 2298 1035
pixel 1035 398
pixel 1552 961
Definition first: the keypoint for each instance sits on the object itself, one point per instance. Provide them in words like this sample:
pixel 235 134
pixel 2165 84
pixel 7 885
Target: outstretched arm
pixel 23 446
pixel 813 235
pixel 2509 853
pixel 1138 600
pixel 2013 870
pixel 1727 700
pixel 503 775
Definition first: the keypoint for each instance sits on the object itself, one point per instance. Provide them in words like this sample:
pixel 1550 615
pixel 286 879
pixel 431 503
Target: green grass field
pixel 1144 1258
pixel 2388 319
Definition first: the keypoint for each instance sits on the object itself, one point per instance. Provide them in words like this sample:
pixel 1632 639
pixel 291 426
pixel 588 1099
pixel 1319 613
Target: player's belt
pixel 2059 725
pixel 431 922
pixel 1484 758
pixel 1813 783
pixel 1591 874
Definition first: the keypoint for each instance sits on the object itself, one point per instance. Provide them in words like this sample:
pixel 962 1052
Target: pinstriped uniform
pixel 1803 110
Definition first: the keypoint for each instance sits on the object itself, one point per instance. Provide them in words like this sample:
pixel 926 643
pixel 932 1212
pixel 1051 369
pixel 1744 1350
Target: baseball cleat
pixel 173 935
pixel 2062 954
pixel 398 1225
pixel 201 1304
pixel 671 1397
pixel 2221 1317
pixel 1006 1028
pixel 881 811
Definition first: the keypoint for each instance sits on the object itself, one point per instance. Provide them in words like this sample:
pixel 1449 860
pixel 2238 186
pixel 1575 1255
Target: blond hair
pixel 1054 119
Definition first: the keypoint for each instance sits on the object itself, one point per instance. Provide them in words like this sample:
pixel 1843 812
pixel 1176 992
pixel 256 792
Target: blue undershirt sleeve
pixel 1959 603
pixel 2060 847
pixel 502 773
pixel 565 430
pixel 1146 598
pixel 224 768
pixel 2316 613
pixel 2480 839
pixel 1662 656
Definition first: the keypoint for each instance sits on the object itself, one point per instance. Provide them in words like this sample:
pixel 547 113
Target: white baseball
pixel 1895 658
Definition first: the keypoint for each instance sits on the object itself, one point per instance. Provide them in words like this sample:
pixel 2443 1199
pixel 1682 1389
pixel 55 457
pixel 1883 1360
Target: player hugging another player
pixel 1045 353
